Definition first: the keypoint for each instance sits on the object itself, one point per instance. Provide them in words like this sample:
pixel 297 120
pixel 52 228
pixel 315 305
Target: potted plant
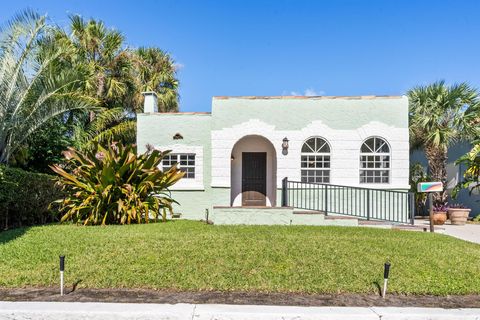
pixel 440 214
pixel 458 214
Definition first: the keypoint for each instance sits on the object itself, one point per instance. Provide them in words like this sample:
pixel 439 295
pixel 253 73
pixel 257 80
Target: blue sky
pixel 293 47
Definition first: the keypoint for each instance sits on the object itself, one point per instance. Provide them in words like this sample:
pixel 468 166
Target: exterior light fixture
pixel 232 157
pixel 285 143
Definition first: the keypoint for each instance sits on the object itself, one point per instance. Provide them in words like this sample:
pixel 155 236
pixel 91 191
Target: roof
pixel 180 113
pixel 307 97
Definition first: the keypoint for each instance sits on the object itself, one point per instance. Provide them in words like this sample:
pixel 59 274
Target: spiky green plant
pixel 114 185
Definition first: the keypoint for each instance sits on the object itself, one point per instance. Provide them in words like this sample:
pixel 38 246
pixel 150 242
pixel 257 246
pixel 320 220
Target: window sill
pixel 187 187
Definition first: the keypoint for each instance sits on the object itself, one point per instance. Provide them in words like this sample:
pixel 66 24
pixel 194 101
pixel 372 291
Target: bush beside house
pixel 114 185
pixel 25 197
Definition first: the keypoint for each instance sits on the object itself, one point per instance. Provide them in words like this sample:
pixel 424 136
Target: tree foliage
pixel 84 80
pixel 439 116
pixel 471 176
pixel 33 88
pixel 116 77
pixel 115 186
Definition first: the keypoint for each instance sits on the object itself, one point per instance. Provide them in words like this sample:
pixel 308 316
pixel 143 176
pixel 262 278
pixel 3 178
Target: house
pixel 258 160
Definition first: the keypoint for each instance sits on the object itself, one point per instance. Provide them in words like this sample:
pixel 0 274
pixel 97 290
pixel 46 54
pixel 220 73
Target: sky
pixel 342 47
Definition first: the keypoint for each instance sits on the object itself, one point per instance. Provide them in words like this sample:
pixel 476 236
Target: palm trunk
pixel 437 168
pixel 4 156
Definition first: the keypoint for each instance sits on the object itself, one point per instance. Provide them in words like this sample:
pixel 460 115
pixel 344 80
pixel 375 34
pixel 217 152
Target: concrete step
pixel 308 212
pixel 333 217
pixel 389 225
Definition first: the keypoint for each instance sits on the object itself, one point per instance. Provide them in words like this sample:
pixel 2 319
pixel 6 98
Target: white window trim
pixel 389 169
pixel 177 158
pixel 188 184
pixel 317 154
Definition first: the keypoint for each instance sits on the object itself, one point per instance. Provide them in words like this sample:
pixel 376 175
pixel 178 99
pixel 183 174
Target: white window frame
pixel 176 158
pixel 195 183
pixel 315 153
pixel 381 162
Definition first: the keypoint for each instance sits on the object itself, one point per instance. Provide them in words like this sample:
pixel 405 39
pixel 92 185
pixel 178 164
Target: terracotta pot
pixel 439 217
pixel 458 216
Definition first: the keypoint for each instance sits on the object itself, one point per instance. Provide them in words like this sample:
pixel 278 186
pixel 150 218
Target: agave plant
pixel 115 186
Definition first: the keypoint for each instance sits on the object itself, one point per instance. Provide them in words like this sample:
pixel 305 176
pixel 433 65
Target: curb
pixel 107 311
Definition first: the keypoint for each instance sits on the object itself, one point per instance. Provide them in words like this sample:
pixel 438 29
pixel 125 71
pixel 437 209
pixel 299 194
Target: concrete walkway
pixel 468 232
pixel 111 311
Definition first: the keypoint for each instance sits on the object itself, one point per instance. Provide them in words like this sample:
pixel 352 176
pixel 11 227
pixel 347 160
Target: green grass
pixel 187 255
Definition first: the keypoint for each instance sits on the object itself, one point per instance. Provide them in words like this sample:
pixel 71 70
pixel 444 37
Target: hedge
pixel 25 197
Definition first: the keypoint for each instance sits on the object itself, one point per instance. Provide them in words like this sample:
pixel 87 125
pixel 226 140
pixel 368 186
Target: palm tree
pixel 99 51
pixel 108 126
pixel 155 71
pixel 439 116
pixel 117 76
pixel 33 88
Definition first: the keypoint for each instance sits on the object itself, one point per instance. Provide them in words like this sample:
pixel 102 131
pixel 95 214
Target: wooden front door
pixel 254 178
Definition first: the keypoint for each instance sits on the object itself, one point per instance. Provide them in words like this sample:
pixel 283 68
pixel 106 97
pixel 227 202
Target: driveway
pixel 468 232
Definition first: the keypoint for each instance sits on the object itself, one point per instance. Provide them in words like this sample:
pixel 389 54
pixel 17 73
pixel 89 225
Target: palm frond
pixel 33 88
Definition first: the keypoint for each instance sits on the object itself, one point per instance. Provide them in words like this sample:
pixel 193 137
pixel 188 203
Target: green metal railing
pixel 363 203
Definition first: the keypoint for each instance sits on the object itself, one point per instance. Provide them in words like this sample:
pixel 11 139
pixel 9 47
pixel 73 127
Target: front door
pixel 254 178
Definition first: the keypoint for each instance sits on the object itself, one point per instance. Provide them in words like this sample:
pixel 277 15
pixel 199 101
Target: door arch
pixel 246 172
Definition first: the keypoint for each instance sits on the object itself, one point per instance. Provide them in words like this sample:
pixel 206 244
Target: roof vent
pixel 177 136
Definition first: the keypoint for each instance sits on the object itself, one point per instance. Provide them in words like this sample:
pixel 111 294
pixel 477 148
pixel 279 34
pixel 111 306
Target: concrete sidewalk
pixel 468 232
pixel 107 311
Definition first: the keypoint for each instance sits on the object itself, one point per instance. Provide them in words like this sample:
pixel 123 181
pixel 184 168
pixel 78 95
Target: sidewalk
pixel 468 232
pixel 122 311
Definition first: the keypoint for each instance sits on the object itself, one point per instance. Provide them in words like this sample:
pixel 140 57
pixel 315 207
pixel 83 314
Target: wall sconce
pixel 232 157
pixel 285 143
pixel 285 146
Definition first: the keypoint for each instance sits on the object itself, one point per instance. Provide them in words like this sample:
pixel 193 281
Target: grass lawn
pixel 187 255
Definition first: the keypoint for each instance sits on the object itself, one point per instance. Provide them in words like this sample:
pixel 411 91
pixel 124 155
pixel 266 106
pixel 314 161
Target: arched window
pixel 375 161
pixel 315 161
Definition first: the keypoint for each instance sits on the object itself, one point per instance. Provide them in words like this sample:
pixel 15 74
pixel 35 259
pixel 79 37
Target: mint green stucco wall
pixel 159 129
pixel 294 114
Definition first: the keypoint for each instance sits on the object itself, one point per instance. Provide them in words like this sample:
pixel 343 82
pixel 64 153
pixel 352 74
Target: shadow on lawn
pixel 12 234
pixel 378 286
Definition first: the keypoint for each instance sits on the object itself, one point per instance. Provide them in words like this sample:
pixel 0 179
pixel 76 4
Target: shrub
pixel 25 197
pixel 471 177
pixel 115 186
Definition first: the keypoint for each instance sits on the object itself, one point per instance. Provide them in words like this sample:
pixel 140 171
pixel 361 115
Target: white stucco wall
pixel 345 151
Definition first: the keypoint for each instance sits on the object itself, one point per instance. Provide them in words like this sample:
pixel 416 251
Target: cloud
pixel 309 92
pixel 178 66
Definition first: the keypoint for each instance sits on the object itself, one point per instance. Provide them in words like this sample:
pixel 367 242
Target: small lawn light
pixel 62 269
pixel 386 271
